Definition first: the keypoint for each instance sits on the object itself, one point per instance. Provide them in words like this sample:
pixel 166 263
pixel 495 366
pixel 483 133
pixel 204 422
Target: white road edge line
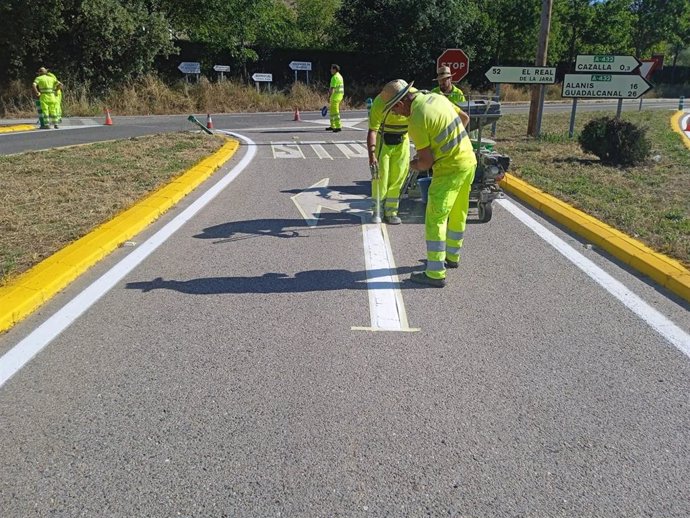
pixel 14 359
pixel 662 325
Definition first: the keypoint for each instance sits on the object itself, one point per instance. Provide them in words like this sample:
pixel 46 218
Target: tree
pixel 25 44
pixel 653 20
pixel 409 35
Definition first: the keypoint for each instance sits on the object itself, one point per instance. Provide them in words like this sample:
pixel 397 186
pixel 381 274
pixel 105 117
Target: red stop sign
pixel 458 62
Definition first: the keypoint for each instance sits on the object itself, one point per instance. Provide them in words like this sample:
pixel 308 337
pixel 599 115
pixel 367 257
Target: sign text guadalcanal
pixel 604 86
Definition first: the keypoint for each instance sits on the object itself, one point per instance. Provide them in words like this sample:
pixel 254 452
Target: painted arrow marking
pixel 386 306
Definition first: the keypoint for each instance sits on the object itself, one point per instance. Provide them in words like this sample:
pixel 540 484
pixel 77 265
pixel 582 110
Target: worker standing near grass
pixel 58 97
pixel 336 92
pixel 446 86
pixel 389 156
pixel 44 87
pixel 437 128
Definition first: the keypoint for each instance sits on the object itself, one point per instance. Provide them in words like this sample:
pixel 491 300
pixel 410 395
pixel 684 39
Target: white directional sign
pixel 221 68
pixel 606 63
pixel 189 67
pixel 267 78
pixel 386 306
pixel 300 65
pixel 604 86
pixel 544 75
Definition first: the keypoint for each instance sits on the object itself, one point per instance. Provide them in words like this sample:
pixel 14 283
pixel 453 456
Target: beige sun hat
pixel 442 73
pixel 394 91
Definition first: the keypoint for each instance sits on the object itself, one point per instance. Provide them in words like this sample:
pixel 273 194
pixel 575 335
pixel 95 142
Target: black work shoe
pixel 423 278
pixel 452 264
pixel 337 130
pixel 392 220
pixel 329 128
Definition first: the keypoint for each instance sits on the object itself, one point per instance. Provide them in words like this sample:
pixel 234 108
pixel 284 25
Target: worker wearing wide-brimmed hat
pixel 446 86
pixel 389 156
pixel 437 128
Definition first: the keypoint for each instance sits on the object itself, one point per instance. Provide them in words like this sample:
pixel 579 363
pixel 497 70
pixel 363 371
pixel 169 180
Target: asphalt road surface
pixel 259 352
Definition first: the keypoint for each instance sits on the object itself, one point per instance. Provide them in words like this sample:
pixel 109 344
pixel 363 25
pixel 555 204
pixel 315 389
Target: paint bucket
pixel 424 187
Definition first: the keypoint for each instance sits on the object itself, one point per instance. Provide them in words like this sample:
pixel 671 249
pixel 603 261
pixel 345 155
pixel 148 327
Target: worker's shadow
pixel 312 280
pixel 280 228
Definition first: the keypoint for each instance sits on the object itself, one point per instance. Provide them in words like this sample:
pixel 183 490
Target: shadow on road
pixel 312 280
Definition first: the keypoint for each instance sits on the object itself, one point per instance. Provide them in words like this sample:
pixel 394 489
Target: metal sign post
pixel 190 68
pixel 221 69
pixel 262 78
pixel 301 65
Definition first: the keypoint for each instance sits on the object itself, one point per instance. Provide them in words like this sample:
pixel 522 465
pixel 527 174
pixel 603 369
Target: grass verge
pixel 51 198
pixel 650 202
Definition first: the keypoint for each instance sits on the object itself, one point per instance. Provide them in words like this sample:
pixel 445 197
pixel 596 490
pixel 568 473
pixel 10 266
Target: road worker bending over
pixel 336 93
pixel 45 87
pixel 437 128
pixel 389 157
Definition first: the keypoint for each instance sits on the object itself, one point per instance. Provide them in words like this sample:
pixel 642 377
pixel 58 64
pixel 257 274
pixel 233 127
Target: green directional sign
pixel 604 86
pixel 606 63
pixel 526 75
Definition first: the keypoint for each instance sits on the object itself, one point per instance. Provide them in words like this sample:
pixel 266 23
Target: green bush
pixel 615 141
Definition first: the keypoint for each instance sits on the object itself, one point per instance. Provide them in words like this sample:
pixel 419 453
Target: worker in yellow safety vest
pixel 437 128
pixel 389 156
pixel 58 98
pixel 446 86
pixel 336 92
pixel 44 87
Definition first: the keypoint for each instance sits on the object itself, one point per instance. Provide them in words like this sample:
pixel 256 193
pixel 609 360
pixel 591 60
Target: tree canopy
pixel 105 42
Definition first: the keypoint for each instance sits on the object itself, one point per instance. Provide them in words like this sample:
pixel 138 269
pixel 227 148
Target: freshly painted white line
pixel 14 359
pixel 386 307
pixel 648 314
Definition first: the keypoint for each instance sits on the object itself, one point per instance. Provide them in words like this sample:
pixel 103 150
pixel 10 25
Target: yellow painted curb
pixel 665 271
pixel 30 290
pixel 17 127
pixel 675 126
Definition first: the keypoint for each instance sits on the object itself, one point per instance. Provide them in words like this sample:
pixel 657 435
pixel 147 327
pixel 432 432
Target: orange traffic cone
pixel 108 120
pixel 209 121
pixel 297 117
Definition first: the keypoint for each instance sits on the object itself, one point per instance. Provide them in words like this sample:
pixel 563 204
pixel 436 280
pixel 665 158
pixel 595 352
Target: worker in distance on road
pixel 336 92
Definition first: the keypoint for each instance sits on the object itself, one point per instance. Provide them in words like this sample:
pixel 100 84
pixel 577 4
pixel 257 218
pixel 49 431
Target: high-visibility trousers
pixel 393 162
pixel 334 110
pixel 446 217
pixel 48 112
pixel 58 105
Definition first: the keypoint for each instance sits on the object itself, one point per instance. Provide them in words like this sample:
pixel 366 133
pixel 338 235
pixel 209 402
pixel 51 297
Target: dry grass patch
pixel 650 202
pixel 51 198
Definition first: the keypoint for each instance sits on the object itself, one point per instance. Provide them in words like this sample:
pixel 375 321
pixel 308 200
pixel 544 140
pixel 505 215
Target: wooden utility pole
pixel 537 102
